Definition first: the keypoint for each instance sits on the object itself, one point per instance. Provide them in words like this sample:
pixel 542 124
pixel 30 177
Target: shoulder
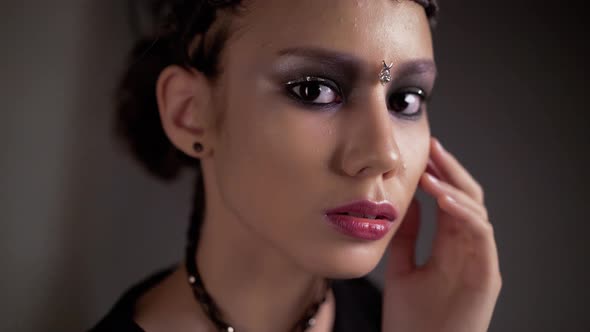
pixel 358 305
pixel 120 317
pixel 109 324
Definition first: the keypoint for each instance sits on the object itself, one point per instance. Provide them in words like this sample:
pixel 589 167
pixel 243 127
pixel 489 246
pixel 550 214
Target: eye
pixel 407 102
pixel 315 91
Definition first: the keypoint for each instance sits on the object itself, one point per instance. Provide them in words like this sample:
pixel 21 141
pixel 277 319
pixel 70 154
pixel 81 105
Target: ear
pixel 184 103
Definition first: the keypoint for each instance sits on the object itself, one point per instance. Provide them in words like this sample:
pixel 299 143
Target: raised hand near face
pixel 457 288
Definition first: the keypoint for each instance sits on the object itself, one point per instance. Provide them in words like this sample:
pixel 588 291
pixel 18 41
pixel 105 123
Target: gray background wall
pixel 80 222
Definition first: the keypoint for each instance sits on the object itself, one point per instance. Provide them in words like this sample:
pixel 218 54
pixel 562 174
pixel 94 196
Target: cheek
pixel 271 157
pixel 414 145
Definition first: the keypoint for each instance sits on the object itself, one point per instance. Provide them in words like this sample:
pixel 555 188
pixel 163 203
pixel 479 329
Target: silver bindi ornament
pixel 385 74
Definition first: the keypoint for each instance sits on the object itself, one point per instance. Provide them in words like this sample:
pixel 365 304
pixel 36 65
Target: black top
pixel 358 306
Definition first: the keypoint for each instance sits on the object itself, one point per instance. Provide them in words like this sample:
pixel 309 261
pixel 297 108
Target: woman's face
pixel 289 149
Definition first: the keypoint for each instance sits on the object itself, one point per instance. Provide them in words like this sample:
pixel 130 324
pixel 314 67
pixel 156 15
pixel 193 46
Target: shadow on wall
pixel 108 240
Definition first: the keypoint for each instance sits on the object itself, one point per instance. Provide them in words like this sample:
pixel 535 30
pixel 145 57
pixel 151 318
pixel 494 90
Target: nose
pixel 370 148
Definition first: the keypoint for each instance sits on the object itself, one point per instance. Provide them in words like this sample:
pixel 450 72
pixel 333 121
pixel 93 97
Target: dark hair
pixel 176 23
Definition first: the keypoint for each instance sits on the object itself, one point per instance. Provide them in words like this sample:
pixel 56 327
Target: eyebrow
pixel 352 64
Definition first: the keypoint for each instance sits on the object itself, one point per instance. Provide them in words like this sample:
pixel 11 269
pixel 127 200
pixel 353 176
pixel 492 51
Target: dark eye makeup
pixel 315 91
pixel 407 102
pixel 318 92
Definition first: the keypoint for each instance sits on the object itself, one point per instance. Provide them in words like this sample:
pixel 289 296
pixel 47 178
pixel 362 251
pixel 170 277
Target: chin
pixel 349 261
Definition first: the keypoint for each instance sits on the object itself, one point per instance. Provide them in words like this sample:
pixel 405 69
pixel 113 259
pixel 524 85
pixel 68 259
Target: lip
pixel 359 225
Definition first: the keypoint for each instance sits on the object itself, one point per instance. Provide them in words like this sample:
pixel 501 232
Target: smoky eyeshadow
pixel 423 81
pixel 414 74
pixel 291 69
pixel 346 74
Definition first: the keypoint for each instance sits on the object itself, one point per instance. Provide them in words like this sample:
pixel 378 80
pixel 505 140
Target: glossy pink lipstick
pixel 364 220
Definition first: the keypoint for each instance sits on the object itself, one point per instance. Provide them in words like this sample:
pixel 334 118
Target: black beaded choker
pixel 212 310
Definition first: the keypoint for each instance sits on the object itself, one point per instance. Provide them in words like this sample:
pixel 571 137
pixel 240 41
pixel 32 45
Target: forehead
pixel 374 30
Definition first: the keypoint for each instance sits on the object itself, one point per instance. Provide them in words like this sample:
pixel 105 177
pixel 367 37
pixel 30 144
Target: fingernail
pixel 432 177
pixel 450 199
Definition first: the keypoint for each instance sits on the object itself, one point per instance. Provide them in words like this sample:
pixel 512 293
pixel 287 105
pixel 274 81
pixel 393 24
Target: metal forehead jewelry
pixel 385 74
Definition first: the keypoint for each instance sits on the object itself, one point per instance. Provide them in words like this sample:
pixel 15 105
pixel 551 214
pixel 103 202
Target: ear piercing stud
pixel 198 147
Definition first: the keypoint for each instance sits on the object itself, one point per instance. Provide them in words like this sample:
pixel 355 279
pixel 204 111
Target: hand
pixel 457 288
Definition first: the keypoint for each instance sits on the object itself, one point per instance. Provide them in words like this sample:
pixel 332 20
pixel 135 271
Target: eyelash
pixel 418 92
pixel 323 82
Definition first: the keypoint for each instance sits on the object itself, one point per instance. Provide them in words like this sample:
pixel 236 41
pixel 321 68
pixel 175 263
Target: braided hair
pixel 176 23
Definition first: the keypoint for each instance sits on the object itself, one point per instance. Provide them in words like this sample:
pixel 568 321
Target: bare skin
pixel 458 286
pixel 273 165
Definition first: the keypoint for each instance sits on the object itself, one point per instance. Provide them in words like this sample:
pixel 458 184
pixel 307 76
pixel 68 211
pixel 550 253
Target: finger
pixel 438 188
pixel 481 233
pixel 402 252
pixel 431 168
pixel 452 171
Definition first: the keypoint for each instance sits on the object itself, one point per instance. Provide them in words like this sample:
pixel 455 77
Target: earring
pixel 198 147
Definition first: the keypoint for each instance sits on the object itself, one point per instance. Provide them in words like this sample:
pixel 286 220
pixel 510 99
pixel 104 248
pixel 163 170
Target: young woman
pixel 306 122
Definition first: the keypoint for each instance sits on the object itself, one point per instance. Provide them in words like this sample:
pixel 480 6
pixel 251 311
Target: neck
pixel 255 287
